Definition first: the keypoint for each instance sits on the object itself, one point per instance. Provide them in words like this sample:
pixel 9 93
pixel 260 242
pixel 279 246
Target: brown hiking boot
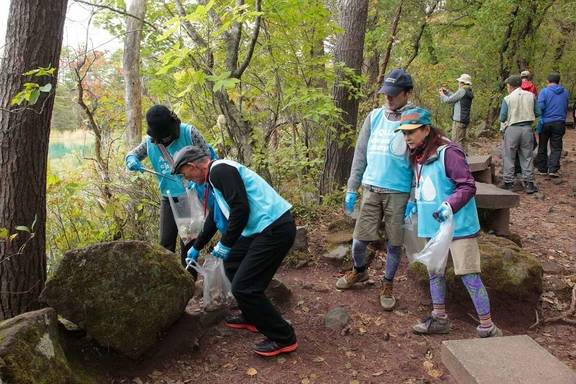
pixel 350 278
pixel 387 300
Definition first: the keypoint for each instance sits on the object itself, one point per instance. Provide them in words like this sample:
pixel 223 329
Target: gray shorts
pixel 377 208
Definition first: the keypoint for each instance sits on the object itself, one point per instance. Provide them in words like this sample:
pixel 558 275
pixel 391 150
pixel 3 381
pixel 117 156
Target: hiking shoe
pixel 350 278
pixel 387 300
pixel 531 188
pixel 542 173
pixel 432 325
pixel 239 322
pixel 508 186
pixel 554 174
pixel 493 331
pixel 270 348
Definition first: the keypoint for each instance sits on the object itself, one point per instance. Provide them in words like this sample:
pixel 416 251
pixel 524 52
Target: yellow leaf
pixel 251 372
pixel 305 381
pixel 435 373
pixel 428 365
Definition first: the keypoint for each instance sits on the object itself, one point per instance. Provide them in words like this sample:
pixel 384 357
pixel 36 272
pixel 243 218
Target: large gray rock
pixel 508 271
pixel 30 351
pixel 122 293
pixel 278 292
pixel 337 255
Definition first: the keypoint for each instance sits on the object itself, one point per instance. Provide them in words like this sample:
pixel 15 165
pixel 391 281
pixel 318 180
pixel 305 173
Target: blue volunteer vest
pixel 173 185
pixel 433 188
pixel 266 205
pixel 388 163
pixel 214 209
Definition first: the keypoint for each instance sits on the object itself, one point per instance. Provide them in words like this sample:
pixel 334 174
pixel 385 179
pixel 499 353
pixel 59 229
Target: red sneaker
pixel 270 348
pixel 238 322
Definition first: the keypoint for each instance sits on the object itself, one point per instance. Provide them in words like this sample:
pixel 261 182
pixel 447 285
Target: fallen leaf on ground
pixel 318 359
pixel 379 373
pixel 251 372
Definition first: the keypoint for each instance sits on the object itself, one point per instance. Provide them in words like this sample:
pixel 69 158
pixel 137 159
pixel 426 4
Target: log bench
pixel 482 168
pixel 494 205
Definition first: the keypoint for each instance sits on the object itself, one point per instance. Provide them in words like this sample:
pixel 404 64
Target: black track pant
pixel 553 133
pixel 250 267
pixel 169 232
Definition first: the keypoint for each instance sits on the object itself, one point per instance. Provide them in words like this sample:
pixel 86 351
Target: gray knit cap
pixel 188 154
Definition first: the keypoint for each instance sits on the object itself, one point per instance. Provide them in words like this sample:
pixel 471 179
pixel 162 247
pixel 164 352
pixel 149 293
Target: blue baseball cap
pixel 413 118
pixel 396 81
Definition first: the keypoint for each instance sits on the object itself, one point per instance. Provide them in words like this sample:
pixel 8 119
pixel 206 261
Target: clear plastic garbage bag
pixel 217 288
pixel 412 243
pixel 435 253
pixel 188 213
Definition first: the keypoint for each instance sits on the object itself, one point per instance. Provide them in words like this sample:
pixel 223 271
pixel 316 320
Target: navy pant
pixel 251 266
pixel 553 133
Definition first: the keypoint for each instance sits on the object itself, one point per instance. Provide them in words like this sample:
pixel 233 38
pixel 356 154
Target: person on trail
pixel 462 101
pixel 445 187
pixel 527 83
pixel 259 233
pixel 166 135
pixel 382 166
pixel 517 113
pixel 553 101
pixel 529 86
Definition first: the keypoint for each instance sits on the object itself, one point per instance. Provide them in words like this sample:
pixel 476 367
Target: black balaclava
pixel 163 125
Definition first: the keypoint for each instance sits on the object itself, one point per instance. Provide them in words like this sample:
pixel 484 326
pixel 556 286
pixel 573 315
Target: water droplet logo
pixel 398 145
pixel 428 191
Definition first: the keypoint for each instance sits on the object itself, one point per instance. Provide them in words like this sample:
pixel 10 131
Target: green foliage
pixel 31 92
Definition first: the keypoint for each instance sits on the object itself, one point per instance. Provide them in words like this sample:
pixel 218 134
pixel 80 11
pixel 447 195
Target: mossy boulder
pixel 122 293
pixel 508 271
pixel 30 351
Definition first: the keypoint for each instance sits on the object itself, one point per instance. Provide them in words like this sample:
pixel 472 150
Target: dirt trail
pixel 379 347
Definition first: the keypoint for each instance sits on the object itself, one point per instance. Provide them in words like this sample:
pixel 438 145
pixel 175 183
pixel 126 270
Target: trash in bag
pixel 217 288
pixel 435 253
pixel 412 243
pixel 189 215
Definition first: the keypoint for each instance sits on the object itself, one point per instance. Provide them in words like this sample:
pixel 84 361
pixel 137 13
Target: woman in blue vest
pixel 166 135
pixel 445 187
pixel 259 233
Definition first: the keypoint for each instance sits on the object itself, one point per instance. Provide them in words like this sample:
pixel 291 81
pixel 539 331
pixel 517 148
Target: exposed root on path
pixel 564 316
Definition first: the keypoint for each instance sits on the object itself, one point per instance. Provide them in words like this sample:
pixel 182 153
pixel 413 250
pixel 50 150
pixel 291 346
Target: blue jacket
pixel 553 102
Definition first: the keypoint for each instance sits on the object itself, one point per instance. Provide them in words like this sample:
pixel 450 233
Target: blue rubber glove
pixel 349 202
pixel 133 164
pixel 221 251
pixel 443 212
pixel 192 255
pixel 410 209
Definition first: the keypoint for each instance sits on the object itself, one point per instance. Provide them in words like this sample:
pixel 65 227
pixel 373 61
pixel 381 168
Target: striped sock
pixel 486 321
pixel 439 311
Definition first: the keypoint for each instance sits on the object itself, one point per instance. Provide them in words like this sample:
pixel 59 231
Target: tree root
pixel 564 316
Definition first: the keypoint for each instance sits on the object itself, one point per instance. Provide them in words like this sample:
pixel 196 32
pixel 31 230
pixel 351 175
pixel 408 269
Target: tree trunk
pixel 429 10
pixel 33 40
pixel 131 69
pixel 388 53
pixel 348 50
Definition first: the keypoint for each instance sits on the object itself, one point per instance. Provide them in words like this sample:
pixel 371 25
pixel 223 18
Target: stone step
pixel 503 360
pixel 479 162
pixel 491 197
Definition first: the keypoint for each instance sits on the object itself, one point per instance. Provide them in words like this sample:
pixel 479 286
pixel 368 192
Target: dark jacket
pixel 462 100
